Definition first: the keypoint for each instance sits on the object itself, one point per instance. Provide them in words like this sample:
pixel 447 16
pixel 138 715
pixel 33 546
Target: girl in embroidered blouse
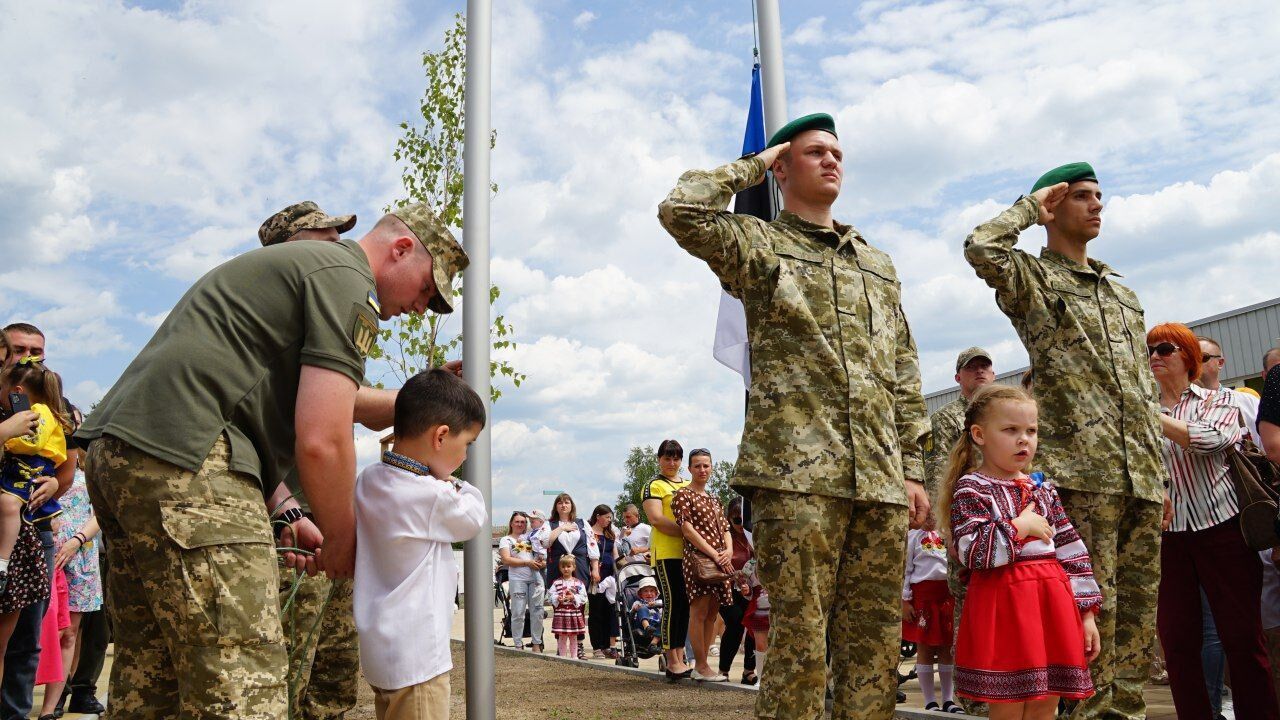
pixel 1027 632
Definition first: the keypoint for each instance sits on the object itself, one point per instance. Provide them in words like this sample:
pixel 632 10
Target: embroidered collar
pixel 1036 480
pixel 397 460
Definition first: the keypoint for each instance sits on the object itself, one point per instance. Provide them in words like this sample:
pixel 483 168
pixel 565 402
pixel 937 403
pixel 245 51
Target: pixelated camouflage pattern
pixel 947 423
pixel 447 256
pixel 835 406
pixel 325 666
pixel 1086 338
pixel 833 569
pixel 192 588
pixel 301 216
pixel 1123 538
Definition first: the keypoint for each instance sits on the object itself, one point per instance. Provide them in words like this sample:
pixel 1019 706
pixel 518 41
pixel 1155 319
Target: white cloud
pixel 584 19
pixel 810 32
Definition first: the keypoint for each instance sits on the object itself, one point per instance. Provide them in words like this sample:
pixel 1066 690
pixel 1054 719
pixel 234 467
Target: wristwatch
pixel 291 516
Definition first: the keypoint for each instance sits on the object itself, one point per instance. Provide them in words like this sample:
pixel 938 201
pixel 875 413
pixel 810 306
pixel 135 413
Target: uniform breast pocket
pixel 883 297
pixel 803 296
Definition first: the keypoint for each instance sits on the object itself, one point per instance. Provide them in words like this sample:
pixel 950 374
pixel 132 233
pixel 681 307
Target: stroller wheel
pixel 662 663
pixel 908 649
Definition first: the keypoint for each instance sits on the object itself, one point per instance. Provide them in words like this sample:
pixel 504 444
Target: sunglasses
pixel 1207 358
pixel 1164 349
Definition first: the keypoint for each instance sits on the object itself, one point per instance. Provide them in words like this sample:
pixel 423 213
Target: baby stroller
pixel 628 574
pixel 500 577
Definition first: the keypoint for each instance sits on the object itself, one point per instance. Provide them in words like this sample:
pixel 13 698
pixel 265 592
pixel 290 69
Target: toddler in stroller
pixel 646 615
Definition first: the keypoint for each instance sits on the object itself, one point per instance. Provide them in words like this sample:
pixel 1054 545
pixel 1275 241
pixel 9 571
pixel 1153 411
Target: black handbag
pixel 1257 482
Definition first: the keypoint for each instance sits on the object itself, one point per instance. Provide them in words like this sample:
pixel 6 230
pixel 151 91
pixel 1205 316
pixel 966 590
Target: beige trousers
pixel 425 701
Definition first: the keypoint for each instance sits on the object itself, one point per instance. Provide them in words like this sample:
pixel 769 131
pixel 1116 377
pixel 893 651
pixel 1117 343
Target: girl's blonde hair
pixel 568 561
pixel 964 454
pixel 42 385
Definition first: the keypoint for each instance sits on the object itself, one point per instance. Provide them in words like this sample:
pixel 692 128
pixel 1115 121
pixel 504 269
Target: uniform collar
pixel 403 462
pixel 836 238
pixel 1095 267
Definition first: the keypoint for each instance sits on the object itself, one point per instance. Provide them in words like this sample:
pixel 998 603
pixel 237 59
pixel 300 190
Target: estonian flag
pixel 730 346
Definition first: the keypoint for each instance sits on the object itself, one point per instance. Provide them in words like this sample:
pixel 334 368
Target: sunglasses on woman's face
pixel 1164 349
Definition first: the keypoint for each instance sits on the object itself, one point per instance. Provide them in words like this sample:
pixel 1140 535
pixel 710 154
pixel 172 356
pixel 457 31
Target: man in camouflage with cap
pixel 973 370
pixel 317 615
pixel 830 455
pixel 254 371
pixel 1099 438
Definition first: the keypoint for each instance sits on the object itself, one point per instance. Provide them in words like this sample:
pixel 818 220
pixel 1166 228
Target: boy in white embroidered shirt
pixel 408 512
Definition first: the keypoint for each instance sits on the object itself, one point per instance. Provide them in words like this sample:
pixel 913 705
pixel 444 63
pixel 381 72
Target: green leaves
pixel 431 154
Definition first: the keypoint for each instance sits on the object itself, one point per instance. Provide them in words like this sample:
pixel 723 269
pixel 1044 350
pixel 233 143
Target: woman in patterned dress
pixel 706 532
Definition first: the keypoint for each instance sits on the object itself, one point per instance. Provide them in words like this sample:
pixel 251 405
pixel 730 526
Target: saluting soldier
pixel 319 627
pixel 1099 438
pixel 830 454
pixel 254 372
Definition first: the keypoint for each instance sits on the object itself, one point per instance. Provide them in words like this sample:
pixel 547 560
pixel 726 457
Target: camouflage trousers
pixel 1122 535
pixel 192 589
pixel 958 590
pixel 833 569
pixel 320 630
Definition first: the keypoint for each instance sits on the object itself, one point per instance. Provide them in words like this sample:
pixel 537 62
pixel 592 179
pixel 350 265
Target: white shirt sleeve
pixel 457 515
pixel 593 548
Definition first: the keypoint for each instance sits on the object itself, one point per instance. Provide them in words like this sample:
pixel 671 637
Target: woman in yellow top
pixel 666 548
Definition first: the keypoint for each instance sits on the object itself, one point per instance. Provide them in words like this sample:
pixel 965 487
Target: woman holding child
pixel 708 547
pixel 1202 547
pixel 524 566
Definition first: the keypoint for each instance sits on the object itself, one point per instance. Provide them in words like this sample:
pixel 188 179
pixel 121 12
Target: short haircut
pixel 1182 337
pixel 670 448
pixel 22 327
pixel 436 397
pixel 630 507
pixel 1273 353
pixel 1211 341
pixel 5 346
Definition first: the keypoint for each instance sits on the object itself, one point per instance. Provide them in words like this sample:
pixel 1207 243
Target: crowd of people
pixel 53 630
pixel 683 584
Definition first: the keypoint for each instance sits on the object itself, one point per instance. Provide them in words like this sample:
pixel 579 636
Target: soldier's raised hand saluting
pixel 1048 198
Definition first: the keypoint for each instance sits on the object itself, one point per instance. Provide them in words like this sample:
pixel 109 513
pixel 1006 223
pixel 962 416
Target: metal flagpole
pixel 773 84
pixel 478 553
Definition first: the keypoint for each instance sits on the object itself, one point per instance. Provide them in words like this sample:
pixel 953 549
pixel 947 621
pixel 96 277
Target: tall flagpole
pixel 478 553
pixel 773 85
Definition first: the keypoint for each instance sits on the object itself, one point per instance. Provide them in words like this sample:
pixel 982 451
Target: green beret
pixel 816 121
pixel 447 256
pixel 1069 173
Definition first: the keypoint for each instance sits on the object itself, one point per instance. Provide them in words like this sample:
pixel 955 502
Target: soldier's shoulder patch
pixel 364 331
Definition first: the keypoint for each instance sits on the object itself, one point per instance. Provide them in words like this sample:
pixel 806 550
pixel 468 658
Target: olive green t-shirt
pixel 228 357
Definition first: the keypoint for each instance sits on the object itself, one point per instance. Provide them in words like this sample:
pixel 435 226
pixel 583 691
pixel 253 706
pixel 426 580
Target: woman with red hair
pixel 1202 547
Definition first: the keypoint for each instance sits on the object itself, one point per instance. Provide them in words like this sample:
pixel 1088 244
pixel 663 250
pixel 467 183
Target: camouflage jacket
pixel 835 406
pixel 1086 338
pixel 946 422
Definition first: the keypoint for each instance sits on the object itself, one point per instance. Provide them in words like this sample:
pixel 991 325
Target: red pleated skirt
pixel 935 614
pixel 1021 637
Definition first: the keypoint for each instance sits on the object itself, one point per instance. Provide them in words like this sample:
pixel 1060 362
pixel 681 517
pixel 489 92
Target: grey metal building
pixel 1245 334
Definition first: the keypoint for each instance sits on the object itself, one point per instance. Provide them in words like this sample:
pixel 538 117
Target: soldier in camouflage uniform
pixel 973 370
pixel 830 454
pixel 1099 438
pixel 319 624
pixel 203 420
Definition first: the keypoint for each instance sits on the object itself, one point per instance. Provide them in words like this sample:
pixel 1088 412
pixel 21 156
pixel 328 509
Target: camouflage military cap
pixel 970 354
pixel 816 121
pixel 305 215
pixel 1069 173
pixel 447 256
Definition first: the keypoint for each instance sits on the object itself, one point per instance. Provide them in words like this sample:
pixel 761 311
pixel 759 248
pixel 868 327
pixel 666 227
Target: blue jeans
pixel 526 595
pixel 1212 656
pixel 22 656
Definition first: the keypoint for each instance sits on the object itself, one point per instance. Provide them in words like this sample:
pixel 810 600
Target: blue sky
pixel 145 142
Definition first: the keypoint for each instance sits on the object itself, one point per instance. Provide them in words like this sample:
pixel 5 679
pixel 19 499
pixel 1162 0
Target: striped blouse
pixel 1202 491
pixel 982 513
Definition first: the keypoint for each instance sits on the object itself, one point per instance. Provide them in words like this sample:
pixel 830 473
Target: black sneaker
pixel 932 706
pixel 85 705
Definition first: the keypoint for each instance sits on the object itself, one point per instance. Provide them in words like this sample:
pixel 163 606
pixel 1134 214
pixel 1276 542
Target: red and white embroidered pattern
pixel 1061 680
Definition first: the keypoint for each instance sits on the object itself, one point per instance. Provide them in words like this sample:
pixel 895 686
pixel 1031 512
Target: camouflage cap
pixel 968 355
pixel 305 215
pixel 447 256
